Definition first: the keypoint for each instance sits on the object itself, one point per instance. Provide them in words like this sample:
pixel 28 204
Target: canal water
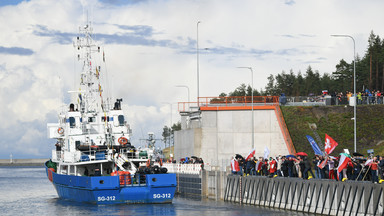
pixel 27 191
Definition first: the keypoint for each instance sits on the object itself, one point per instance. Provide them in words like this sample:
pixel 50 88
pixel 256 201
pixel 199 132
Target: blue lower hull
pixel 159 188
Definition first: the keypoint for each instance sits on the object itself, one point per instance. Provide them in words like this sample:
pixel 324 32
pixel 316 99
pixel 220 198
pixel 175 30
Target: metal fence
pixel 185 168
pixel 331 100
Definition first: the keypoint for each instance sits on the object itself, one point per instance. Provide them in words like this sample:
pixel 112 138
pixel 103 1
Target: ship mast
pixel 90 96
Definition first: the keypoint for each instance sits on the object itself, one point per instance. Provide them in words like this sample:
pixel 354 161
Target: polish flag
pixel 251 154
pixel 343 162
pixel 369 162
pixel 330 144
pixel 258 165
pixel 235 165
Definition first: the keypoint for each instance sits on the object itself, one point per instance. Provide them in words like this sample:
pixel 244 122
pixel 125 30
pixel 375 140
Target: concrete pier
pixel 22 162
pixel 319 196
pixel 313 196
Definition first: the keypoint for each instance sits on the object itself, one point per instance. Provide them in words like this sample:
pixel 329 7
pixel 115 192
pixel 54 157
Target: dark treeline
pixel 369 75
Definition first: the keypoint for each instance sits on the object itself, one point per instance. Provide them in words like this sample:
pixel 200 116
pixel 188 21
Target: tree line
pixel 369 75
pixel 168 133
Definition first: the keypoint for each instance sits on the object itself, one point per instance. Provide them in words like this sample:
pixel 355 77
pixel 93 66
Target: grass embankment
pixel 337 122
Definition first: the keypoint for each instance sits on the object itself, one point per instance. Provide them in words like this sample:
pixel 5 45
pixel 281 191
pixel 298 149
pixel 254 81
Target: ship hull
pixel 159 188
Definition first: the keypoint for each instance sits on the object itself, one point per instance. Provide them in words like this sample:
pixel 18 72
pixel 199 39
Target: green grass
pixel 336 122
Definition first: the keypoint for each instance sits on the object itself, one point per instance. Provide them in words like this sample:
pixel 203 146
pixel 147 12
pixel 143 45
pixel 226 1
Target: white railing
pixel 185 168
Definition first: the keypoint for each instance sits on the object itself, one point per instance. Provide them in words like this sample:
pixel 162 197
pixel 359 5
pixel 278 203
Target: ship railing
pixel 232 101
pixel 94 155
pixel 56 155
pixel 130 154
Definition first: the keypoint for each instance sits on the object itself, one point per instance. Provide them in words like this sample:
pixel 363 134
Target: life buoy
pixel 122 140
pixel 60 130
pixel 148 163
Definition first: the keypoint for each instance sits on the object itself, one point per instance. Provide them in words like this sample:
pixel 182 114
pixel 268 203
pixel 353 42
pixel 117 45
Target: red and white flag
pixel 251 154
pixel 343 162
pixel 323 163
pixel 369 162
pixel 235 165
pixel 330 144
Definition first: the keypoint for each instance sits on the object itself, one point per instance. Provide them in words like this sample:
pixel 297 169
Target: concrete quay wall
pixel 313 196
pixel 22 162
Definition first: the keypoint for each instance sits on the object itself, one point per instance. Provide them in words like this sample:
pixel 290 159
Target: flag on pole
pixel 258 165
pixel 266 152
pixel 251 154
pixel 330 144
pixel 343 162
pixel 314 145
pixel 369 162
pixel 323 163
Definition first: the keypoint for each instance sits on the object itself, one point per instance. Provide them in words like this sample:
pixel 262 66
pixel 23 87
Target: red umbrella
pixel 302 154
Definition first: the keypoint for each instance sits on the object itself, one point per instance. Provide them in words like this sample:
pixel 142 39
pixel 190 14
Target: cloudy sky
pixel 150 47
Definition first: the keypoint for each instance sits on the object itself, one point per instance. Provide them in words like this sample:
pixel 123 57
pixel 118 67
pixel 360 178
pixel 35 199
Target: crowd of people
pixel 339 98
pixel 358 168
pixel 365 97
pixel 191 160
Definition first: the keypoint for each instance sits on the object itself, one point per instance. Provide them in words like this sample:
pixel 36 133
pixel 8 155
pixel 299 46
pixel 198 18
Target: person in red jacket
pixel 374 169
pixel 272 167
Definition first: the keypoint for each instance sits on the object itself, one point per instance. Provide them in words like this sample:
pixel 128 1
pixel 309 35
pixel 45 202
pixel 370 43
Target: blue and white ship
pixel 93 160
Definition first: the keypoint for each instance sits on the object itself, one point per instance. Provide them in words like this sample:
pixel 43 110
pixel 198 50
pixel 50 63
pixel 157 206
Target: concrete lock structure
pixel 222 127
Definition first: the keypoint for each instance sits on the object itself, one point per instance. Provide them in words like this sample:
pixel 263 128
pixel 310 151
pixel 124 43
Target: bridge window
pixel 72 122
pixel 121 120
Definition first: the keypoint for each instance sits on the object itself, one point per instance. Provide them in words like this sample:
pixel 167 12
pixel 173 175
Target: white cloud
pixel 270 36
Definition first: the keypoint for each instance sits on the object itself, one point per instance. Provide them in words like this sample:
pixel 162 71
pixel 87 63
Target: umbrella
pixel 194 157
pixel 357 154
pixel 290 156
pixel 302 154
pixel 239 156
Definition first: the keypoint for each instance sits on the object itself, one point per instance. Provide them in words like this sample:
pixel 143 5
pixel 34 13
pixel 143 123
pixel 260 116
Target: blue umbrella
pixel 290 156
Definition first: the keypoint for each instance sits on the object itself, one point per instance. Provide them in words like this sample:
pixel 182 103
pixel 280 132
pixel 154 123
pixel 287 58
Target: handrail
pixel 240 101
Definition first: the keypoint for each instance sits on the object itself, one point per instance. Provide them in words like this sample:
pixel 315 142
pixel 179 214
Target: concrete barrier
pixel 312 196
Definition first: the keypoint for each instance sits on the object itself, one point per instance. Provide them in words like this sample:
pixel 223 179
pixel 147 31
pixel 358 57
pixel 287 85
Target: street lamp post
pixel 197 53
pixel 253 131
pixel 184 86
pixel 354 85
